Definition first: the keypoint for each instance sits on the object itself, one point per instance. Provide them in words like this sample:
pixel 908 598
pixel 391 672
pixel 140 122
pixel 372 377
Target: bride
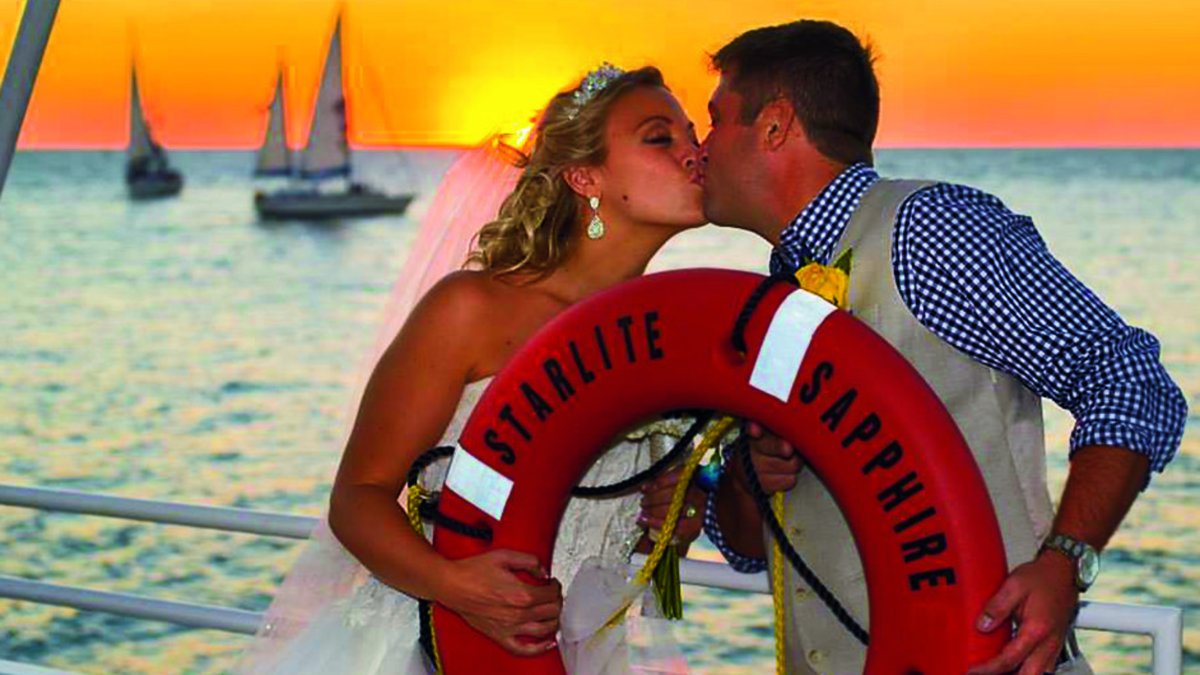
pixel 612 174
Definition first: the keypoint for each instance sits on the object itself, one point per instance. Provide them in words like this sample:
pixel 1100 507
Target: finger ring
pixel 690 511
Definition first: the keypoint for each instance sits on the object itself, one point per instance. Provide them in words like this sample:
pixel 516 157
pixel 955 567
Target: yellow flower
pixel 829 283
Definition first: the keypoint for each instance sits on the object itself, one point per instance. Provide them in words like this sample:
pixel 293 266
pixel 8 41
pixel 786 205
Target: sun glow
pixel 432 72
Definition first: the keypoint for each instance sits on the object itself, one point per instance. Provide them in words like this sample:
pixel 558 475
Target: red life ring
pixel 869 426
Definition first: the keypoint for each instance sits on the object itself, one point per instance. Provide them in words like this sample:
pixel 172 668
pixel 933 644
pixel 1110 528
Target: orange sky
pixel 448 72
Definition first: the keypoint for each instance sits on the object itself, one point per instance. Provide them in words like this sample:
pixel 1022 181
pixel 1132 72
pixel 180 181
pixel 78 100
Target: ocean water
pixel 181 350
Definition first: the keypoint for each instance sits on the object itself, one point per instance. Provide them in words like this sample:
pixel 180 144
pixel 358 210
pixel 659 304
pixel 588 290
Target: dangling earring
pixel 595 229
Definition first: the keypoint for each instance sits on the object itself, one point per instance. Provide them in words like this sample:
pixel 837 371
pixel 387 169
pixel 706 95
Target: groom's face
pixel 732 159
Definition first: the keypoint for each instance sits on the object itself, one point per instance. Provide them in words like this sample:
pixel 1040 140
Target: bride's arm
pixel 410 399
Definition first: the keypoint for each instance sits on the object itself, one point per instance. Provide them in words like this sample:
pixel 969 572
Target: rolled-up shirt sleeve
pixel 981 278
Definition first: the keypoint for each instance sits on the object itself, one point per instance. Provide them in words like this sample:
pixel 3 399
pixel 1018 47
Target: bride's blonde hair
pixel 534 227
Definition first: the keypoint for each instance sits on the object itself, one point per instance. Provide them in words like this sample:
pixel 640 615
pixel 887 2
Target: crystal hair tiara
pixel 595 82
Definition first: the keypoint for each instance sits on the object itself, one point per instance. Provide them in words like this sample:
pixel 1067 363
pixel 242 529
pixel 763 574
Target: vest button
pixel 816 657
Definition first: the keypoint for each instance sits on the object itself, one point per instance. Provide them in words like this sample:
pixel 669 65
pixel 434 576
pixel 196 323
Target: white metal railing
pixel 1164 625
pixel 14 668
pixel 167 513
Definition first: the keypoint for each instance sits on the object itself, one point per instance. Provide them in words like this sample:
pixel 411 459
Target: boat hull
pixel 155 186
pixel 322 206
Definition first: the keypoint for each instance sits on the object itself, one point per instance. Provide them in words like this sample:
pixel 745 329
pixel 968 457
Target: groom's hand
pixel 775 460
pixel 1040 596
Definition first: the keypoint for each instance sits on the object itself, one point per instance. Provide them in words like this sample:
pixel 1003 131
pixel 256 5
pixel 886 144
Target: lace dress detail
pixel 375 628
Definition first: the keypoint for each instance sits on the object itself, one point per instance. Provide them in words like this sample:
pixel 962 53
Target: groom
pixel 967 291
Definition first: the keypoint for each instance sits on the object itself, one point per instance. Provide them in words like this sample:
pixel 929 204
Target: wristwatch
pixel 1086 559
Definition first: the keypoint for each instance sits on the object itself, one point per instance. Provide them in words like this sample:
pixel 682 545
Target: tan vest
pixel 1000 418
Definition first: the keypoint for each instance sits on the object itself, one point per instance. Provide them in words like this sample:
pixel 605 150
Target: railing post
pixel 1168 645
pixel 1164 625
pixel 23 64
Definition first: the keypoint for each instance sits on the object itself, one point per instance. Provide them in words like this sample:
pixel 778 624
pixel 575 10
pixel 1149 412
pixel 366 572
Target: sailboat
pixel 327 156
pixel 147 172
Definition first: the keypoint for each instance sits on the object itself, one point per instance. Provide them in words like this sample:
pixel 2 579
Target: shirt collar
pixel 815 232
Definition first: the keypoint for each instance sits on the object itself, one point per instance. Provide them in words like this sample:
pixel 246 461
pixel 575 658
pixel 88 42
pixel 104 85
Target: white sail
pixel 275 157
pixel 327 153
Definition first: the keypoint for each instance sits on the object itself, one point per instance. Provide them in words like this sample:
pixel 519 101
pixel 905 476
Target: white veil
pixel 469 196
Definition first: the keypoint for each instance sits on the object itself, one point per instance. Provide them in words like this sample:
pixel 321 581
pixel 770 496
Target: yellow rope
pixel 667 534
pixel 778 590
pixel 417 495
pixel 830 282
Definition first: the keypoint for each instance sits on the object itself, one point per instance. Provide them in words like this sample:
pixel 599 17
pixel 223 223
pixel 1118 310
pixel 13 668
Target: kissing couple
pixel 962 287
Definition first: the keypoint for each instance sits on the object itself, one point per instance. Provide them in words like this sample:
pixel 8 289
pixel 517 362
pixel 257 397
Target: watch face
pixel 1089 567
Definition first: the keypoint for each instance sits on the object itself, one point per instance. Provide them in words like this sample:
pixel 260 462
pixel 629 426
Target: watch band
pixel 1066 544
pixel 1084 557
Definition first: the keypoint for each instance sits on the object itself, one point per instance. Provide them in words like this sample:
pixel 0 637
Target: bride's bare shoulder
pixel 477 319
pixel 472 290
pixel 471 300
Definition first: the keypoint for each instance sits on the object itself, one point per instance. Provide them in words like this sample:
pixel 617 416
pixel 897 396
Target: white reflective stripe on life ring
pixel 792 328
pixel 478 483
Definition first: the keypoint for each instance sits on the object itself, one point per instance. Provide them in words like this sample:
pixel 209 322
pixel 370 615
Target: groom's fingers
pixel 776 474
pixel 778 483
pixel 772 446
pixel 776 465
pixel 754 430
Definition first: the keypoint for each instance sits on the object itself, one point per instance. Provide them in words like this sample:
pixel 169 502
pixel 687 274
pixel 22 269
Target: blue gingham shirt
pixel 980 277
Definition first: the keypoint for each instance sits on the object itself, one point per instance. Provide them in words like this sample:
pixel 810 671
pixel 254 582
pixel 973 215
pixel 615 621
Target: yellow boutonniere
pixel 830 282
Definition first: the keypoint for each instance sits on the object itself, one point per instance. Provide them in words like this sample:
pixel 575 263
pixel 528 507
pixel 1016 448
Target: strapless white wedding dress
pixel 374 630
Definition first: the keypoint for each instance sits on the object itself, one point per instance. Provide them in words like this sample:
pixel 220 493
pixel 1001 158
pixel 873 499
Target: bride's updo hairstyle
pixel 536 222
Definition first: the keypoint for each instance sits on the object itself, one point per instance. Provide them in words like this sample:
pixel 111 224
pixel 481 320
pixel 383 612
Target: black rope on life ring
pixel 429 511
pixel 421 463
pixel 738 336
pixel 742 448
pixel 681 446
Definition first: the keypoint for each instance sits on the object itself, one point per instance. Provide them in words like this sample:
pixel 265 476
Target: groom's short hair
pixel 822 69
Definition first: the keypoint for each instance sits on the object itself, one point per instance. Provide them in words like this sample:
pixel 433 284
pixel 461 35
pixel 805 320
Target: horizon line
pixel 449 146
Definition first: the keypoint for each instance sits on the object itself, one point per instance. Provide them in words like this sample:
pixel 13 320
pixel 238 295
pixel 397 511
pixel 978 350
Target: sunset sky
pixel 954 73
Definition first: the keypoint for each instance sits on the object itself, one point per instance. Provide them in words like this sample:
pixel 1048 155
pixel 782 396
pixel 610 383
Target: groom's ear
pixel 582 180
pixel 775 122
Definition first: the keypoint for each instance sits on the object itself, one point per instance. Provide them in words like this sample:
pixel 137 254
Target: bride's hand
pixel 656 500
pixel 486 592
